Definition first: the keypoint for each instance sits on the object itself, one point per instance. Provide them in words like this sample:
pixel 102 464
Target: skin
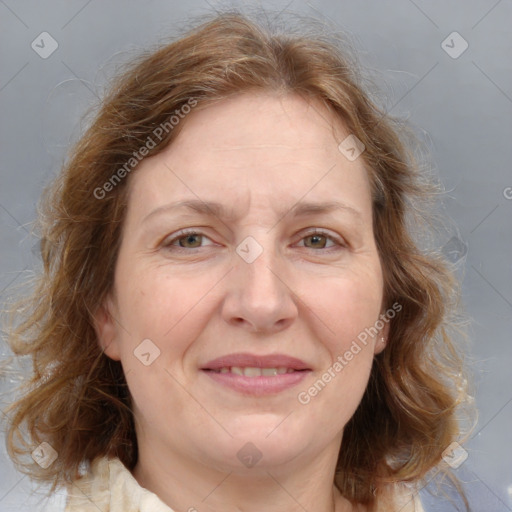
pixel 258 154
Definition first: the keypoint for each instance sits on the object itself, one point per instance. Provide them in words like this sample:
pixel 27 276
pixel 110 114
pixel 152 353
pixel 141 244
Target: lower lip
pixel 258 386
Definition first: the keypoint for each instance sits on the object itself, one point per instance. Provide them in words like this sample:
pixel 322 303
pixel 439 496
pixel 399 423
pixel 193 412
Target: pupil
pixel 315 238
pixel 190 239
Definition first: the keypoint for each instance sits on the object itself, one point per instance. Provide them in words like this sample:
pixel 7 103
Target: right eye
pixel 184 237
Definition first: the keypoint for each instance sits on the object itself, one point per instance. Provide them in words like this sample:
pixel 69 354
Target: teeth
pixel 256 372
pixel 251 372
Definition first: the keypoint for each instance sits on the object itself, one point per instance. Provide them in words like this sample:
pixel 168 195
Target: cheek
pixel 169 310
pixel 351 306
pixel 350 309
pixel 161 317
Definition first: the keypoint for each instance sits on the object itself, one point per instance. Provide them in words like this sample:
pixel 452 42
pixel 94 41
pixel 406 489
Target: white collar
pixel 110 487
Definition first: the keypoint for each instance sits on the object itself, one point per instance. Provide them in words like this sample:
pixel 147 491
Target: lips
pixel 244 360
pixel 253 371
pixel 257 375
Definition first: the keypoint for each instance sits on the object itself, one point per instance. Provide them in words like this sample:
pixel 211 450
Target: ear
pixel 107 330
pixel 384 333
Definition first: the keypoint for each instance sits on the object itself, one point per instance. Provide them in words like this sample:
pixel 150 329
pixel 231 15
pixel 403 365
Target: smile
pixel 256 381
pixel 251 371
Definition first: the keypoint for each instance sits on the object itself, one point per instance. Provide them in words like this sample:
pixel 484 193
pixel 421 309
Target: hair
pixel 77 398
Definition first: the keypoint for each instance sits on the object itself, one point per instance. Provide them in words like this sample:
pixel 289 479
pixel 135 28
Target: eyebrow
pixel 216 209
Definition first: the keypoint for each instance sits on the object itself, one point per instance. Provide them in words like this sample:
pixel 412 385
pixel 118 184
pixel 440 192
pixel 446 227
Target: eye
pixel 186 239
pixel 190 239
pixel 319 238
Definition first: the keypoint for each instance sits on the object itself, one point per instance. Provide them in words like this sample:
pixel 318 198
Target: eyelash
pixel 169 243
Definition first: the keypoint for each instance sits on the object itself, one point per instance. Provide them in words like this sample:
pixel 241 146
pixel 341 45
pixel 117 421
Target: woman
pixel 294 356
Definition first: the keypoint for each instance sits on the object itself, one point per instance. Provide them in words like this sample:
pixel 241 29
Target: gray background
pixel 462 108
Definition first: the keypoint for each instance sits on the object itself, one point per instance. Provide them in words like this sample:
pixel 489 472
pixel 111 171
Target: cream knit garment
pixel 110 487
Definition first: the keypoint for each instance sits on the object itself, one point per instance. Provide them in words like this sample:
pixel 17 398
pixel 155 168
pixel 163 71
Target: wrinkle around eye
pixel 339 237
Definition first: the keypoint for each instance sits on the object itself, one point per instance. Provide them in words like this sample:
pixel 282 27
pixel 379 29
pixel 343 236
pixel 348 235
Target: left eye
pixel 319 240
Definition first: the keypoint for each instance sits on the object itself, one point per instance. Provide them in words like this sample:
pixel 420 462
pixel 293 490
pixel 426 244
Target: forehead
pixel 254 121
pixel 254 147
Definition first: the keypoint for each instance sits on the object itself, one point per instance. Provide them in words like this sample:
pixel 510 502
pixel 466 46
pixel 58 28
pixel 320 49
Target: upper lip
pixel 245 360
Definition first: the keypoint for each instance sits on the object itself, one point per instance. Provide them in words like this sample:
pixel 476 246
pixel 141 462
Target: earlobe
pixel 381 339
pixel 106 330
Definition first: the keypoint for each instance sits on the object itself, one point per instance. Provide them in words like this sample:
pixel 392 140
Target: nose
pixel 259 298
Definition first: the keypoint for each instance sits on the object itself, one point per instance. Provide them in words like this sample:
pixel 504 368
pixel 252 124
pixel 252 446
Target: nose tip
pixel 258 296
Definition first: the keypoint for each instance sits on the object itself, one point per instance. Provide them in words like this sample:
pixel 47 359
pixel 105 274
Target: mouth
pixel 253 363
pixel 253 371
pixel 256 375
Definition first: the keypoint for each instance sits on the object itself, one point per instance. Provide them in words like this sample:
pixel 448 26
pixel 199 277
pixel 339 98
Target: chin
pixel 262 442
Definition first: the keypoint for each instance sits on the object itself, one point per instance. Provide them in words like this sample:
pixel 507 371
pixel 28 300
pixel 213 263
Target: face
pixel 228 328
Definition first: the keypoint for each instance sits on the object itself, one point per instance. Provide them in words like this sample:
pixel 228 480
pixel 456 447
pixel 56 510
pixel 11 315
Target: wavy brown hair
pixel 77 399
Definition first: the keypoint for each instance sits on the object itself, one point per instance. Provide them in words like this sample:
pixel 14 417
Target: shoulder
pixel 391 498
pixel 110 487
pixel 90 492
pixel 399 496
